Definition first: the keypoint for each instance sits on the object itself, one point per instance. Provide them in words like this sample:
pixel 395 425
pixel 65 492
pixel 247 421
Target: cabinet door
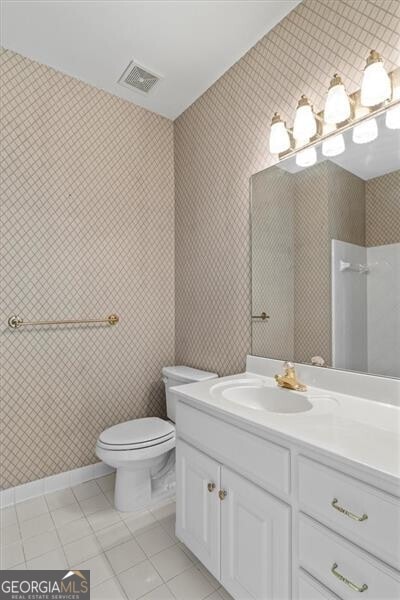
pixel 198 505
pixel 255 541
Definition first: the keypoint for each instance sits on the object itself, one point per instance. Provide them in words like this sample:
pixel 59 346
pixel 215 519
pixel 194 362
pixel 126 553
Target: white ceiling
pixel 189 43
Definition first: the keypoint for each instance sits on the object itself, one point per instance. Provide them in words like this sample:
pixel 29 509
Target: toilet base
pixel 144 477
pixel 132 489
pixel 138 489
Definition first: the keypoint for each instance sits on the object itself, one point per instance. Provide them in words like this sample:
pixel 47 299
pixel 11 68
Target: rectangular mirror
pixel 326 257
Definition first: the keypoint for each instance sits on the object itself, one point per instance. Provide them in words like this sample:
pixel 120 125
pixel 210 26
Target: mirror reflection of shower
pixel 365 311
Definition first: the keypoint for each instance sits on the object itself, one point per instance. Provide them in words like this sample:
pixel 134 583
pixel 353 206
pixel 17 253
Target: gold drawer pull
pixel 222 494
pixel 350 584
pixel 336 506
pixel 211 487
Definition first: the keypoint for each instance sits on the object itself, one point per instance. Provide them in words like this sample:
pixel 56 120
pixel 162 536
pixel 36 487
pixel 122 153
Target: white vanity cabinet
pixel 255 541
pixel 273 520
pixel 238 531
pixel 197 505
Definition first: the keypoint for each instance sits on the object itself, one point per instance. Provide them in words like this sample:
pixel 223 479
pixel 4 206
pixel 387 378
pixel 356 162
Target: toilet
pixel 143 450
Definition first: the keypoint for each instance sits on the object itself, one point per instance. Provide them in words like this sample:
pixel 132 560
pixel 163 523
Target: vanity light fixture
pixel 376 85
pixel 279 140
pixel 305 125
pixel 337 105
pixel 380 92
pixel 392 119
pixel 365 132
pixel 306 157
pixel 333 146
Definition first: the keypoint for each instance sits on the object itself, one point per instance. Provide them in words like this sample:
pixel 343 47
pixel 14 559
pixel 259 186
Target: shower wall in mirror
pixel 326 257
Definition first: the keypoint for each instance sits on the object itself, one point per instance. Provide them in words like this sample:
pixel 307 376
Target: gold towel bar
pixel 263 317
pixel 15 321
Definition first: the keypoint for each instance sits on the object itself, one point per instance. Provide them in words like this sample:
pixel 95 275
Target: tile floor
pixel 130 555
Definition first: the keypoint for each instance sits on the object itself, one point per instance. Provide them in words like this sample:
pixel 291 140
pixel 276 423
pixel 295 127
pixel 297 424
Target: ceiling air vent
pixel 137 78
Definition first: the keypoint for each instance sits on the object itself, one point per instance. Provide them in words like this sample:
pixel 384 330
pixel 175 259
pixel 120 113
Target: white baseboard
pixel 61 481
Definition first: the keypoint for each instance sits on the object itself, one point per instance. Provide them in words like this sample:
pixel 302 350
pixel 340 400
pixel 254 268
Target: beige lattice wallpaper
pixel 383 210
pixel 329 204
pixel 222 139
pixel 294 218
pixel 273 260
pixel 87 228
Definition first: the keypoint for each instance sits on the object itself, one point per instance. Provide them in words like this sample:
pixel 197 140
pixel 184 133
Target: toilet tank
pixel 174 376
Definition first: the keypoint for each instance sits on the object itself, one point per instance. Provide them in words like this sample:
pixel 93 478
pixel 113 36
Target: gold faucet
pixel 289 379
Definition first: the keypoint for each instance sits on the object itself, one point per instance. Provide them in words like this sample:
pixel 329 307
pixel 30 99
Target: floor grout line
pixel 20 538
pixel 149 559
pixel 119 585
pixel 165 581
pixel 111 568
pixel 159 520
pixel 114 575
pixel 49 511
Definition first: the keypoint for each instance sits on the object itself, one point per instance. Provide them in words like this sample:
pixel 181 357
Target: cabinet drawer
pixel 328 557
pixel 310 589
pixel 324 493
pixel 263 462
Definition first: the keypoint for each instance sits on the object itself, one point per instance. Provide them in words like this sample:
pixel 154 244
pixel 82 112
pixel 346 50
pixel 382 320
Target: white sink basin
pixel 276 400
pixel 265 397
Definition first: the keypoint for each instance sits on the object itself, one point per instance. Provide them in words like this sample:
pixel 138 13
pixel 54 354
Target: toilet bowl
pixel 136 449
pixel 143 450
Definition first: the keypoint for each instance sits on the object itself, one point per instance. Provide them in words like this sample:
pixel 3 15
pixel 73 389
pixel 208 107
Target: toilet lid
pixel 138 431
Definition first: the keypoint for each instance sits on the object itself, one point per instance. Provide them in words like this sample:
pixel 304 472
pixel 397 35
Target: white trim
pixel 61 481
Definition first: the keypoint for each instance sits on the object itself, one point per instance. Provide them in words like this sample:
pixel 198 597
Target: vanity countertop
pixel 354 429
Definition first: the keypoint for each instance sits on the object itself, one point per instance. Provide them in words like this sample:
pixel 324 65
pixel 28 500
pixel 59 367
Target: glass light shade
pixel 279 139
pixel 337 105
pixel 375 86
pixel 333 145
pixel 365 132
pixel 305 125
pixel 306 158
pixel 392 119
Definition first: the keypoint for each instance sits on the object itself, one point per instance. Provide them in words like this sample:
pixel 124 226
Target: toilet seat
pixel 143 450
pixel 137 434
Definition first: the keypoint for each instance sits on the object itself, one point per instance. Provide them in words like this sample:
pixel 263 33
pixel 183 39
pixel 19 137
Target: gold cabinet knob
pixel 211 487
pixel 222 494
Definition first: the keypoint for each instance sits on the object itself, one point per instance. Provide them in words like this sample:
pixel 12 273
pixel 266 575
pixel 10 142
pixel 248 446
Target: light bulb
pixel 305 125
pixel 300 143
pixel 365 132
pixel 337 105
pixel 279 139
pixel 333 145
pixel 306 158
pixel 375 86
pixel 392 119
